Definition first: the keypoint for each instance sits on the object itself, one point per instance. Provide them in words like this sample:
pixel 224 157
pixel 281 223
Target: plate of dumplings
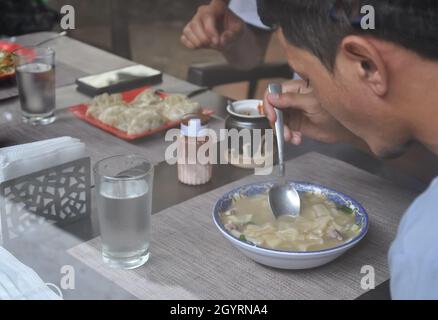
pixel 137 113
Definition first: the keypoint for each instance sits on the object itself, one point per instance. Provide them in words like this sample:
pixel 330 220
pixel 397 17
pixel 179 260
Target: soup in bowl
pixel 329 224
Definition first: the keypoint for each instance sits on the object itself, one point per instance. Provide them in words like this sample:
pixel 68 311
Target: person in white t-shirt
pixel 247 11
pixel 231 27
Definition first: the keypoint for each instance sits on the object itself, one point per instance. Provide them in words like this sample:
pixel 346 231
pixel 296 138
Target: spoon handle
pixel 59 35
pixel 279 131
pixel 279 128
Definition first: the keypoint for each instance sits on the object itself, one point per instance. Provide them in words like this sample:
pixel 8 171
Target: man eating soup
pixel 375 86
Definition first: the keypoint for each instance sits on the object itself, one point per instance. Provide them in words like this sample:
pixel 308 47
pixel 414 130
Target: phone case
pixel 118 87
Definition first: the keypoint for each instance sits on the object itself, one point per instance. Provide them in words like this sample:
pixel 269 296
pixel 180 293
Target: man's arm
pixel 304 116
pixel 250 51
pixel 215 26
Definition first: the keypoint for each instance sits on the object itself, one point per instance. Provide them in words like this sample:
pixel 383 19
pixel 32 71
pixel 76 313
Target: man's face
pixel 348 99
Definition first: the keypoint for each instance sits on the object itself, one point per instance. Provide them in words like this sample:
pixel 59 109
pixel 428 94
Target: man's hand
pixel 214 26
pixel 303 115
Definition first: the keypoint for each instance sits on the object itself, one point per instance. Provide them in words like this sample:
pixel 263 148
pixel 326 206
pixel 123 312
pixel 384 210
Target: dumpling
pixel 111 115
pixel 177 105
pixel 145 99
pixel 144 121
pixel 102 102
pixel 179 100
pixel 125 118
pixel 106 100
pixel 147 111
pixel 157 107
pixel 94 111
pixel 173 113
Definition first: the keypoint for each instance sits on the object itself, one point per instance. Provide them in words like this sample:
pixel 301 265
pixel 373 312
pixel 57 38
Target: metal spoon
pixel 189 94
pixel 283 198
pixel 59 35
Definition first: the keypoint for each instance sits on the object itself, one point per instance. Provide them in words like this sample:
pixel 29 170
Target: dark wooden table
pixel 44 249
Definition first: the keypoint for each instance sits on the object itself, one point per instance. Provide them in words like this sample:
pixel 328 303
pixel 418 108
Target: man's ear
pixel 367 61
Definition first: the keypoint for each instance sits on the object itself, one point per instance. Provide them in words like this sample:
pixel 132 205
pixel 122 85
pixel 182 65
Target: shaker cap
pixel 194 125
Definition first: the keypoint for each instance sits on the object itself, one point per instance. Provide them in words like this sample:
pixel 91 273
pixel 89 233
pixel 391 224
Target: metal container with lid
pixel 246 115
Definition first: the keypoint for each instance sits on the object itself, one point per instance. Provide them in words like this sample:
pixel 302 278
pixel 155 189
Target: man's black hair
pixel 320 25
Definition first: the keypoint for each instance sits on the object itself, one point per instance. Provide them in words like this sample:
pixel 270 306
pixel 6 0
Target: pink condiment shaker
pixel 194 168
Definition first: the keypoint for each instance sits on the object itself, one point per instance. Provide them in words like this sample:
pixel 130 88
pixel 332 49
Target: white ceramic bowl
pixel 247 109
pixel 287 259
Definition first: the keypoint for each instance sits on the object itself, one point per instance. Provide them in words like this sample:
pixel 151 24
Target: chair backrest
pixel 212 74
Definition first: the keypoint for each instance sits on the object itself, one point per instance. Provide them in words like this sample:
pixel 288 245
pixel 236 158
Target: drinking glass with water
pixel 35 72
pixel 124 202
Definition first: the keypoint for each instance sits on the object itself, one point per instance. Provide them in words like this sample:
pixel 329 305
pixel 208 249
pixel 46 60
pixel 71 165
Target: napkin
pixel 19 282
pixel 27 158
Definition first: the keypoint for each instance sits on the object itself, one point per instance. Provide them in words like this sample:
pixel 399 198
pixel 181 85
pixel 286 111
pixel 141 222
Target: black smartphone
pixel 119 80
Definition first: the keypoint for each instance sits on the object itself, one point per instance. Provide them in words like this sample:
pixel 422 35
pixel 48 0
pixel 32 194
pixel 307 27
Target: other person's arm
pixel 215 26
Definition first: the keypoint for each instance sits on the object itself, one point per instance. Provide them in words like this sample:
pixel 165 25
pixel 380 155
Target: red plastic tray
pixel 81 110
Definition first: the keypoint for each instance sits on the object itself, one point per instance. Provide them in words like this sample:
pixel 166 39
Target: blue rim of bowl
pixel 361 211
